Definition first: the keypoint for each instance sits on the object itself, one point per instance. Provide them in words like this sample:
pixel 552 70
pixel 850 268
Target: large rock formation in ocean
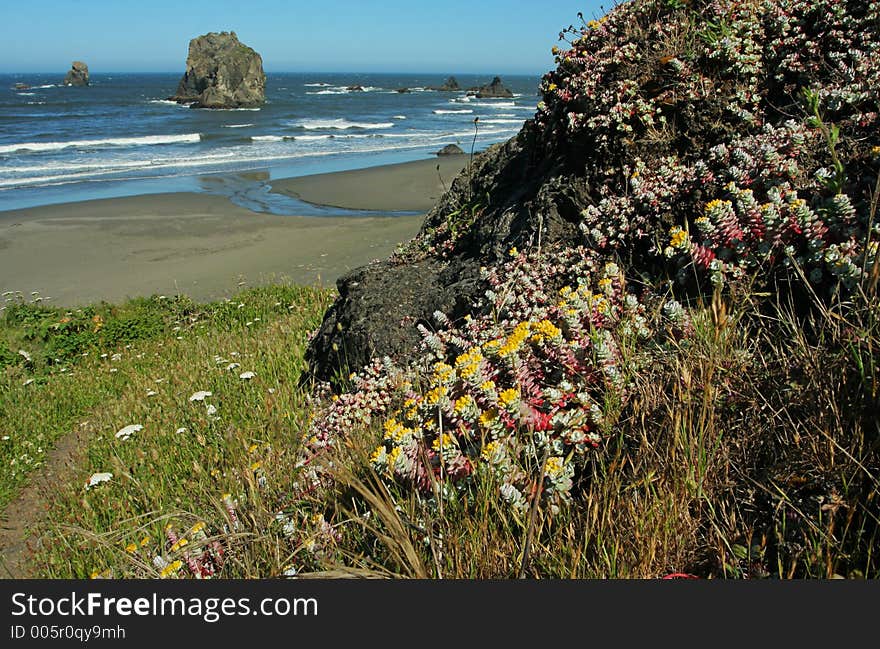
pixel 221 72
pixel 78 75
pixel 494 90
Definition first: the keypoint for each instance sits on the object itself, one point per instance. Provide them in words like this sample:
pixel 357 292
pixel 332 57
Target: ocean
pixel 120 137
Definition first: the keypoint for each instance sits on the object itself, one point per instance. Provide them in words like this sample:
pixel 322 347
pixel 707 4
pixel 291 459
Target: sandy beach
pixel 205 246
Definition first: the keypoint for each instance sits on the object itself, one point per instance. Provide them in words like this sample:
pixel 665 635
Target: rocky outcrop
pixel 355 88
pixel 404 91
pixel 78 75
pixel 380 305
pixel 450 85
pixel 494 90
pixel 221 72
pixel 450 149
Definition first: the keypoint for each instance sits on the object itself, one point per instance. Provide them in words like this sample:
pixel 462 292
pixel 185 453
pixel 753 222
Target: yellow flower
pixel 377 455
pixel 395 431
pixel 444 441
pixel 253 447
pixel 508 397
pixel 198 527
pixel 551 87
pixel 464 403
pixel 677 237
pixel 487 386
pixel 513 252
pixel 393 456
pixel 490 450
pixel 145 541
pixel 546 330
pixel 256 465
pixel 171 568
pixel 180 543
pixel 715 204
pixel 553 467
pixel 434 396
pixel 489 417
pixel 443 373
pixel 131 548
pixel 875 151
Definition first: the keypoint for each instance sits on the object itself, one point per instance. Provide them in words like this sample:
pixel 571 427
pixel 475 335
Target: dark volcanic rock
pixel 450 85
pixel 494 90
pixel 403 90
pixel 380 305
pixel 221 72
pixel 78 75
pixel 450 149
pixel 355 88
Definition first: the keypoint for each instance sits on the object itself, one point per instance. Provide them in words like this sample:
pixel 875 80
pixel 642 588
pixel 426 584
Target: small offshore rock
pixel 450 149
pixel 494 90
pixel 78 75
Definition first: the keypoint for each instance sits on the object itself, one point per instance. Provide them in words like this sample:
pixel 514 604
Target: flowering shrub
pixel 744 181
pixel 519 390
pixel 708 139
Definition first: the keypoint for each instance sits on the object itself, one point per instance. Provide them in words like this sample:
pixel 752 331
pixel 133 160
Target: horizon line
pixel 279 71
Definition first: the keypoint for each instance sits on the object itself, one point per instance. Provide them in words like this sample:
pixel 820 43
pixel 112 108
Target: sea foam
pixel 340 124
pixel 122 141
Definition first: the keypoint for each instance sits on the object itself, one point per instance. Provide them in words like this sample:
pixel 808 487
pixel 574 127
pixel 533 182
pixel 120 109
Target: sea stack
pixel 221 72
pixel 450 85
pixel 78 75
pixel 494 90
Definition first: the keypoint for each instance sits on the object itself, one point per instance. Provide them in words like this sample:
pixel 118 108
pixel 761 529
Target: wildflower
pixel 246 376
pixel 677 237
pixel 464 404
pixel 443 442
pixel 509 397
pixel 131 548
pixel 200 395
pixel 128 431
pixel 171 568
pixel 489 417
pixel 97 478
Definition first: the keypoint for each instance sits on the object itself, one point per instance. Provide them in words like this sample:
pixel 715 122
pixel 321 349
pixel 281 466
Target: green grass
pixel 175 353
pixel 749 452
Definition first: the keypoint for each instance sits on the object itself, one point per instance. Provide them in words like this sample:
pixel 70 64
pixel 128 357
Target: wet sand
pixel 205 246
pixel 409 186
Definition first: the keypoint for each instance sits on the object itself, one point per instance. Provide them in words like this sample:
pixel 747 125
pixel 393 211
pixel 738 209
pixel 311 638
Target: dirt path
pixel 19 535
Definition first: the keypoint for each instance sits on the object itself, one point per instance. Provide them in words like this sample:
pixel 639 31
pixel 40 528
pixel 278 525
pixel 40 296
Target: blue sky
pixel 484 36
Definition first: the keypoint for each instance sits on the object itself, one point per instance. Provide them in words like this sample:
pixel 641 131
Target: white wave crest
pixel 271 138
pixel 338 124
pixel 237 125
pixel 463 111
pixel 122 141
